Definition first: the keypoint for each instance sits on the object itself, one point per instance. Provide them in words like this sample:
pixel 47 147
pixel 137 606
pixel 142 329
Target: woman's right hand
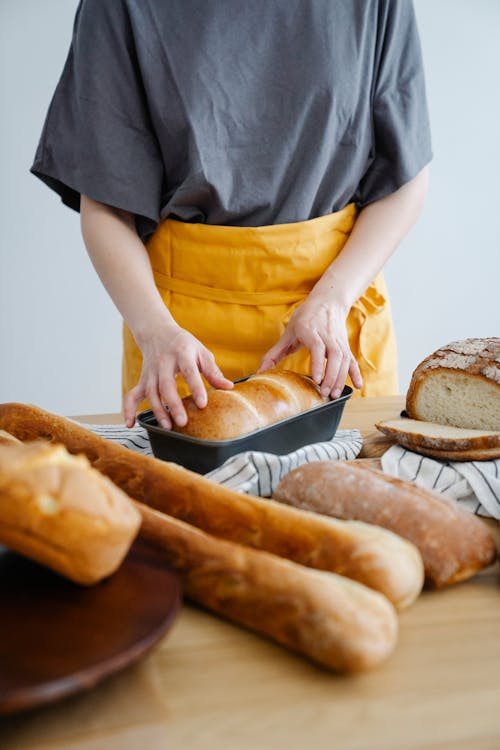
pixel 167 353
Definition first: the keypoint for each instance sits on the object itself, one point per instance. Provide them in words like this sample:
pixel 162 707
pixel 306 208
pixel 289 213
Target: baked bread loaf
pixel 254 403
pixel 458 385
pixel 370 555
pixel 334 621
pixel 56 509
pixel 453 543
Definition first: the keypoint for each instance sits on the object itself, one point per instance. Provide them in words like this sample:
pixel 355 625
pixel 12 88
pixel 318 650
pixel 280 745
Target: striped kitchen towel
pixel 252 472
pixel 258 473
pixel 473 484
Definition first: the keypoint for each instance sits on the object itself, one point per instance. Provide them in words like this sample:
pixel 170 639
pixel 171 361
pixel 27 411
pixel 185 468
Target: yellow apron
pixel 235 288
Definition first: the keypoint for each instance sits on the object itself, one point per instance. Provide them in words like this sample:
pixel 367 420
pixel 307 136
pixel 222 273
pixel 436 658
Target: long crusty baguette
pixel 334 621
pixel 453 543
pixel 58 510
pixel 252 404
pixel 375 557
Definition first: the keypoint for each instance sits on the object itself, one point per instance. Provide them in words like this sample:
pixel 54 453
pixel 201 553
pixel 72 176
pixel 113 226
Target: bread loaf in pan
pixel 276 412
pixel 372 556
pixel 334 621
pixel 58 510
pixel 253 403
pixel 458 385
pixel 453 543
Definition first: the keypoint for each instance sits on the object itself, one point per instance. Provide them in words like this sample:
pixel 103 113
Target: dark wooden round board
pixel 57 638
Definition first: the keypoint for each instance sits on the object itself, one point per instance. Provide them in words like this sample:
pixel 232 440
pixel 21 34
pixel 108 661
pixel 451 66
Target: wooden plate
pixel 57 638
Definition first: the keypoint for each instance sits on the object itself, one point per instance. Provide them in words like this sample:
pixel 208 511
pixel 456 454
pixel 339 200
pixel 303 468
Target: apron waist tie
pixel 231 296
pixel 372 301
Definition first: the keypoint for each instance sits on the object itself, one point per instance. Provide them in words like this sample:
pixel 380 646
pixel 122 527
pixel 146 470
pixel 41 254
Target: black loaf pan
pixel 312 426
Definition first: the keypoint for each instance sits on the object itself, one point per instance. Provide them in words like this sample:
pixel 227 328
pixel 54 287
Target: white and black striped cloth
pixel 252 472
pixel 258 473
pixel 473 484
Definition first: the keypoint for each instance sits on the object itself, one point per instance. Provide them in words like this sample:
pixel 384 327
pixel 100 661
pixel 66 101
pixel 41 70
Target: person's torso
pixel 262 110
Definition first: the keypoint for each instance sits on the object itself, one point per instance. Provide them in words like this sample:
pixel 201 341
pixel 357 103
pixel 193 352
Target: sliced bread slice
pixel 416 433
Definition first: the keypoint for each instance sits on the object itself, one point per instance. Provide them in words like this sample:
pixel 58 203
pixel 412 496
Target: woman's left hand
pixel 319 324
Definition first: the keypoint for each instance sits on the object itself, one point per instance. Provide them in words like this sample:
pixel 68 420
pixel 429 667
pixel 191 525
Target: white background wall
pixel 60 335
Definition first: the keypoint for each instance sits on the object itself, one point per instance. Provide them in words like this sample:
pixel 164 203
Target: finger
pixel 333 366
pixel 339 383
pixel 284 346
pixel 211 371
pixel 131 401
pixel 317 350
pixel 355 374
pixel 170 397
pixel 192 377
pixel 157 406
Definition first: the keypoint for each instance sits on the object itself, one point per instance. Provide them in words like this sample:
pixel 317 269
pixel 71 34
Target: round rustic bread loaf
pixel 458 385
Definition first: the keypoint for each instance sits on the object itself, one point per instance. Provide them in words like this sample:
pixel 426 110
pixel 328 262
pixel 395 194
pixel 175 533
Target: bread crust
pixel 458 439
pixel 453 543
pixel 57 510
pixel 472 454
pixel 254 403
pixel 374 557
pixel 334 621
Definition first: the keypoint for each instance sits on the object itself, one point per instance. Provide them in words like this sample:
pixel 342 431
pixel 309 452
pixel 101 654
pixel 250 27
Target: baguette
pixel 334 621
pixel 458 385
pixel 254 403
pixel 372 556
pixel 453 543
pixel 57 510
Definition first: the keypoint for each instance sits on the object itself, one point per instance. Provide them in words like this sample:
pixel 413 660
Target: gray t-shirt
pixel 237 112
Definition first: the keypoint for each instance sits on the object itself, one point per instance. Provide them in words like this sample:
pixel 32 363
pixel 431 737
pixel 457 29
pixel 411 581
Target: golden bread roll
pixel 56 509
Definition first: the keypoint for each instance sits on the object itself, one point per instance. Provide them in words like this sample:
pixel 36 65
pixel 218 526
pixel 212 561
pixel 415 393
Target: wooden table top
pixel 211 685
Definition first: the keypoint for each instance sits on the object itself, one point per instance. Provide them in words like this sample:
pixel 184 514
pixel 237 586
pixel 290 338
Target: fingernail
pixel 336 393
pixel 164 424
pixel 324 392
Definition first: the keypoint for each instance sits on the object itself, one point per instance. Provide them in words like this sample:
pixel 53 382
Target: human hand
pixel 320 325
pixel 171 351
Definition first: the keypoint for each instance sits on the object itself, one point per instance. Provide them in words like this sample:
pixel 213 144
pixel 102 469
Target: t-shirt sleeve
pixel 401 131
pixel 97 138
